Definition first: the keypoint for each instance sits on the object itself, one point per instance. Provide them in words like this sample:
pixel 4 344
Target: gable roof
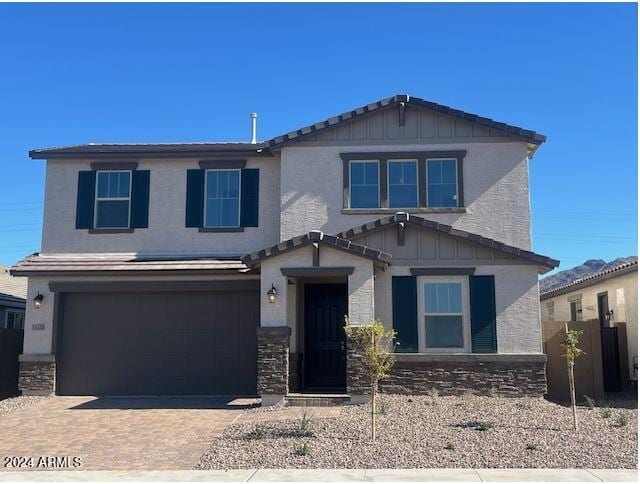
pixel 406 99
pixel 264 148
pixel 321 238
pixel 591 279
pixel 546 263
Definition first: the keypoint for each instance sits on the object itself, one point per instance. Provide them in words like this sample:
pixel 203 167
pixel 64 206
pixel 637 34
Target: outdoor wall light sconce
pixel 37 301
pixel 272 294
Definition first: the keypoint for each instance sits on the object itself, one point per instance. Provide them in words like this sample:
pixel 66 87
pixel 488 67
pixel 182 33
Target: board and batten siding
pixel 418 124
pixel 422 246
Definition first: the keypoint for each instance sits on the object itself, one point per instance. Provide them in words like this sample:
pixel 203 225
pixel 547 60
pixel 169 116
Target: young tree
pixel 376 343
pixel 571 349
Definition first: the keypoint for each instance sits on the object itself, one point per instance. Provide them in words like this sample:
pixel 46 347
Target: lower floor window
pixel 445 313
pixel 15 320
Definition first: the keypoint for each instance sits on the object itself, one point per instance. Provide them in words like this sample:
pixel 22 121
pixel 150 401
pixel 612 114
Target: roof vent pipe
pixel 254 117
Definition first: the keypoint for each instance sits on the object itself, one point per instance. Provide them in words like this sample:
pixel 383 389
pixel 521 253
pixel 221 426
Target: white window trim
pixel 466 320
pixel 116 199
pixel 401 160
pixel 426 174
pixel 16 311
pixel 377 162
pixel 206 191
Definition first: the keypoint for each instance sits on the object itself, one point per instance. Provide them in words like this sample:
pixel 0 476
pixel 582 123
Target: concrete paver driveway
pixel 114 433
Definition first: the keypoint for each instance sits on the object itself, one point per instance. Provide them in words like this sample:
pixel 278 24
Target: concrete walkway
pixel 335 475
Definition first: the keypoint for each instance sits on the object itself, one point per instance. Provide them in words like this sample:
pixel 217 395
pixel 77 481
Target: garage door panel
pixel 158 343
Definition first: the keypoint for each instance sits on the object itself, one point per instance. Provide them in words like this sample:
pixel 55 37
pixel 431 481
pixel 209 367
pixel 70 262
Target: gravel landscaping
pixel 9 405
pixel 423 432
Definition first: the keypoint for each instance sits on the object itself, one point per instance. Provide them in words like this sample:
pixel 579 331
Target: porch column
pixel 361 311
pixel 273 363
pixel 274 335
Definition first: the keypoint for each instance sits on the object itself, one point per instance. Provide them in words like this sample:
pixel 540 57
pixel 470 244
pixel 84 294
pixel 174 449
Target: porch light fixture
pixel 272 294
pixel 37 301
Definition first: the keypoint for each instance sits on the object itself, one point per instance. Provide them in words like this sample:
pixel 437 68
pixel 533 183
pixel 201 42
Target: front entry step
pixel 317 399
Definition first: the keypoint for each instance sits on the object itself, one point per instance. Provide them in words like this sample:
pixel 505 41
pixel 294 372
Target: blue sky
pixel 124 73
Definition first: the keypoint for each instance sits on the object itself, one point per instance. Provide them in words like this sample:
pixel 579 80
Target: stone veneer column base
pixel 273 363
pixel 509 375
pixel 37 374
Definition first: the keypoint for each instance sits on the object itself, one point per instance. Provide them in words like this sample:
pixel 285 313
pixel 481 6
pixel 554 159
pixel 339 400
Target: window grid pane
pixel 363 177
pixel 442 187
pixel 443 315
pixel 113 184
pixel 403 187
pixel 223 198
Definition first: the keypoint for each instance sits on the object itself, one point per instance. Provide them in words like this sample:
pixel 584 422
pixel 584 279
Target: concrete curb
pixel 333 475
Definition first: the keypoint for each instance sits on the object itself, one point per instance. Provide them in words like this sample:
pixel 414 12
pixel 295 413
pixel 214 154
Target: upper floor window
pixel 442 187
pixel 403 183
pixel 113 199
pixel 576 310
pixel 364 187
pixel 222 204
pixel 388 181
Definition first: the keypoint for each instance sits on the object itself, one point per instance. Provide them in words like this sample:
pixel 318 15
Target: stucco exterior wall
pixel 167 233
pixel 622 293
pixel 496 190
pixel 517 311
pixel 360 286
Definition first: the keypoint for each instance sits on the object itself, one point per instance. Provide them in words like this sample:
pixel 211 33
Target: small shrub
pixel 605 412
pixel 622 420
pixel 306 426
pixel 258 433
pixel 484 426
pixel 449 446
pixel 590 402
pixel 492 392
pixel 467 394
pixel 532 447
pixel 433 393
pixel 303 449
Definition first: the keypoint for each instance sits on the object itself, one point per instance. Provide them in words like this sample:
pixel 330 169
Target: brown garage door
pixel 158 343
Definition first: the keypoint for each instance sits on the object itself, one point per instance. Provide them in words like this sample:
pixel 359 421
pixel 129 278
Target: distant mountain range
pixel 587 268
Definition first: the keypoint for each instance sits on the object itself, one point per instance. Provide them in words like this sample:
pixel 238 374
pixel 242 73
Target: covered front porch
pixel 309 285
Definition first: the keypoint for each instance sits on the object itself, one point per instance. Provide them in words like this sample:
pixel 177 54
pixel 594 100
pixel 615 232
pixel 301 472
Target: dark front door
pixel 325 354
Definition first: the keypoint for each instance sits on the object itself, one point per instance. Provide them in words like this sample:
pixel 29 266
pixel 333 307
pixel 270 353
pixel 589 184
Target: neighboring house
pixel 13 293
pixel 228 268
pixel 610 296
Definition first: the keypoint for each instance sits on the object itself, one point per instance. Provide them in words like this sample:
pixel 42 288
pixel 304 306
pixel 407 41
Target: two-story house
pixel 228 268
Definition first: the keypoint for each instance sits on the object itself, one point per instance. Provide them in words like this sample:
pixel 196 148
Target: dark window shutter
pixel 483 314
pixel 140 199
pixel 405 313
pixel 86 199
pixel 195 198
pixel 250 194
